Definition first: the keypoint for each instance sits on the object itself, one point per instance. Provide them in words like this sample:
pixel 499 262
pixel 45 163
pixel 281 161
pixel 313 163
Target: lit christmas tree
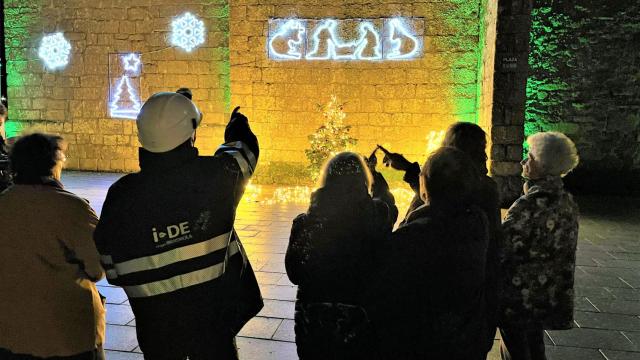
pixel 125 102
pixel 330 138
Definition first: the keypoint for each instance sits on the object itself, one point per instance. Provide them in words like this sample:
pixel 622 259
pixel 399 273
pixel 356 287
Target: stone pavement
pixel 607 317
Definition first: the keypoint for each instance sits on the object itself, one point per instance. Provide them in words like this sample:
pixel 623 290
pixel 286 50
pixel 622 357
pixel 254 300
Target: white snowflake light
pixel 187 32
pixel 54 51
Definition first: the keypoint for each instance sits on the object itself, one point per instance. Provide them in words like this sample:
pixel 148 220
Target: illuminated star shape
pixel 187 32
pixel 54 51
pixel 131 62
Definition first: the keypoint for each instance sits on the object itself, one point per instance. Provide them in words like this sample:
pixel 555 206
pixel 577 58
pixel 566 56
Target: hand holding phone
pixel 395 160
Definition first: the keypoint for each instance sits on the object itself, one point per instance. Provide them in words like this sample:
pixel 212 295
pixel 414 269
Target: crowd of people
pixel 435 287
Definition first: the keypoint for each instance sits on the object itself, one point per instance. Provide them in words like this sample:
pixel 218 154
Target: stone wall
pixel 72 101
pixel 403 105
pixel 584 82
pixel 485 91
pixel 394 103
pixel 509 96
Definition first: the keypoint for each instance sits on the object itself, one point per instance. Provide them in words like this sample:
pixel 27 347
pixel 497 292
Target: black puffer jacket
pixel 332 252
pixel 428 302
pixel 486 198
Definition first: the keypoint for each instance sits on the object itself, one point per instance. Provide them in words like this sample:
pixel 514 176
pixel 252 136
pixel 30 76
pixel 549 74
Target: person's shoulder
pixel 218 163
pixel 125 183
pixel 70 201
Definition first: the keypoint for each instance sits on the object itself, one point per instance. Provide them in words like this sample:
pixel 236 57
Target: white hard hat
pixel 166 120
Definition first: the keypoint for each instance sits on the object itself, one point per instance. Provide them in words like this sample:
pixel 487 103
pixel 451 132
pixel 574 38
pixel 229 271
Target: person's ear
pixel 423 189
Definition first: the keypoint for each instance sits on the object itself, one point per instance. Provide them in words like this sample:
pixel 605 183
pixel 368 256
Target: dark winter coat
pixel 429 298
pixel 541 234
pixel 166 236
pixel 331 255
pixel 486 198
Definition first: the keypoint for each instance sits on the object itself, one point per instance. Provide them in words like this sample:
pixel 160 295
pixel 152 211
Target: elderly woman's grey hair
pixel 554 151
pixel 346 169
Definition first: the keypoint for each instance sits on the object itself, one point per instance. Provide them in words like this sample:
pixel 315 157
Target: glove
pixel 238 125
pixel 396 161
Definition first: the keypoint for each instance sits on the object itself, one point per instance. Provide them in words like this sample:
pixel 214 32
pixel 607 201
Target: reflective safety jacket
pixel 166 237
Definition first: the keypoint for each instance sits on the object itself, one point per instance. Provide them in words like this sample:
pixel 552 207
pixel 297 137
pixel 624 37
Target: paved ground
pixel 607 321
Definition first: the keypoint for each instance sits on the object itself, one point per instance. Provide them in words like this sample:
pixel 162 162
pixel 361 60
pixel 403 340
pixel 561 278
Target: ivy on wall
pixel 584 78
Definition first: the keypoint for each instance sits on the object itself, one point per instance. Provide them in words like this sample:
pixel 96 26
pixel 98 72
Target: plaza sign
pixel 347 39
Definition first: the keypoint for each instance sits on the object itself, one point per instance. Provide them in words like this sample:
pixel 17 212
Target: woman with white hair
pixel 540 238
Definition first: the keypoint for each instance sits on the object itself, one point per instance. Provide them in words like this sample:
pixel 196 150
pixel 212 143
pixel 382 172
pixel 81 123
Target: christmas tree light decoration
pixel 330 138
pixel 400 37
pixel 124 107
pixel 54 51
pixel 187 32
pixel 131 63
pixel 292 34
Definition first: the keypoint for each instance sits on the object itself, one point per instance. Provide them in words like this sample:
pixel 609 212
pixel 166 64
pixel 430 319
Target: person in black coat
pixel 332 252
pixel 428 301
pixel 470 139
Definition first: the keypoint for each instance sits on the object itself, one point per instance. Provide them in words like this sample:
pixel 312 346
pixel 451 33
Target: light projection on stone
pixel 403 44
pixel 55 51
pixel 288 41
pixel 124 99
pixel 347 39
pixel 187 32
pixel 131 63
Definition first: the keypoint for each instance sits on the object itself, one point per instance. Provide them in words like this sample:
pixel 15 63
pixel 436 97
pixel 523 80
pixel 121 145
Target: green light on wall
pixel 547 92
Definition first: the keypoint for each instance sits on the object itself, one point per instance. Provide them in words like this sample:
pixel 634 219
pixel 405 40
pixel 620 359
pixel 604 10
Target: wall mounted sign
pixel 187 32
pixel 347 39
pixel 55 51
pixel 124 85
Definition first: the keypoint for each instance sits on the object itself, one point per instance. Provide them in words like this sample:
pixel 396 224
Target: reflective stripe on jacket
pixel 166 237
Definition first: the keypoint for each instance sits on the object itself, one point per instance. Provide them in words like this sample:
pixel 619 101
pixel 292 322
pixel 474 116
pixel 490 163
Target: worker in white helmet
pixel 166 235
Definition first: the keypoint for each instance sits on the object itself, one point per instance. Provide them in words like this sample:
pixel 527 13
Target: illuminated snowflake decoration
pixel 54 51
pixel 131 63
pixel 187 32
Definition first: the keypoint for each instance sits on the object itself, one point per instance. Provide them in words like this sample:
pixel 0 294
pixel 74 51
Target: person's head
pixel 550 154
pixel 166 121
pixel 448 178
pixel 186 92
pixel 36 156
pixel 347 170
pixel 470 139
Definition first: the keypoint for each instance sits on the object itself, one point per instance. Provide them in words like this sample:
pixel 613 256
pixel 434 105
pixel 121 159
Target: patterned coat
pixel 540 238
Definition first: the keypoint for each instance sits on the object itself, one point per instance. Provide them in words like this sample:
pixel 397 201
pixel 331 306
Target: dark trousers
pixel 222 349
pixel 522 344
pixel 97 354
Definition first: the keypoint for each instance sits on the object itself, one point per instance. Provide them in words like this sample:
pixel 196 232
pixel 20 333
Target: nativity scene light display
pixel 347 39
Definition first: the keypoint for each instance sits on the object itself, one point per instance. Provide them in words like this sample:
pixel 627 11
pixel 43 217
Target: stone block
pixel 498 152
pixel 55 127
pixel 504 168
pixel 111 127
pixel 89 164
pixel 259 12
pixel 54 115
pixel 507 134
pixel 85 126
pixel 514 152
